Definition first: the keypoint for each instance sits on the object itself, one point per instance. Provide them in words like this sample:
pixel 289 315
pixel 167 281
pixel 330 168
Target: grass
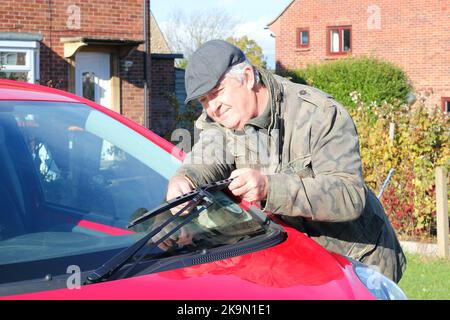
pixel 426 278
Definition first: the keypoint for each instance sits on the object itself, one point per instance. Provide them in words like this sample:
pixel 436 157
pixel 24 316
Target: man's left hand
pixel 250 184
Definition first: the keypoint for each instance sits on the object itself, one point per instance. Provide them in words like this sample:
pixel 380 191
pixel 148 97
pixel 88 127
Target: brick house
pixel 163 80
pixel 414 35
pixel 71 43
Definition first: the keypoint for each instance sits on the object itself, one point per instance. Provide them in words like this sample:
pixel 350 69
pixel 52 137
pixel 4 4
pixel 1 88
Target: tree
pixel 252 50
pixel 185 33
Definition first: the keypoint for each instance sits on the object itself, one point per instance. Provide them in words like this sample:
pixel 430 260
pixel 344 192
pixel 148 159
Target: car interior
pixel 32 228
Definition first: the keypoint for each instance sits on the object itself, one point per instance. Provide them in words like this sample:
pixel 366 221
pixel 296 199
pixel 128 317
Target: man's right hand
pixel 177 187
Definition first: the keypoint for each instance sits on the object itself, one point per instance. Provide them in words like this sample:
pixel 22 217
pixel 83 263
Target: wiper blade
pixel 211 187
pixel 200 196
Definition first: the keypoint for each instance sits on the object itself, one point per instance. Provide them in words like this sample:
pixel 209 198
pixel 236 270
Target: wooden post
pixel 391 131
pixel 442 212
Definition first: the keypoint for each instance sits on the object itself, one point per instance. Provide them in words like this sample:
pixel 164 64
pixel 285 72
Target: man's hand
pixel 180 239
pixel 250 184
pixel 177 187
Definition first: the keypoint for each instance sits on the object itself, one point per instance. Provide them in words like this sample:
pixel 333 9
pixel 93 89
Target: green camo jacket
pixel 307 145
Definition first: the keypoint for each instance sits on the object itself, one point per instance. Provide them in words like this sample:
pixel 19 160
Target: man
pixel 304 164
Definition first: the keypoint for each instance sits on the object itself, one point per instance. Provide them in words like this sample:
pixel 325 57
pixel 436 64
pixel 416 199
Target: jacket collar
pixel 267 120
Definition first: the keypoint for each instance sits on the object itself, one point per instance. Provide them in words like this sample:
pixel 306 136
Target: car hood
pixel 297 268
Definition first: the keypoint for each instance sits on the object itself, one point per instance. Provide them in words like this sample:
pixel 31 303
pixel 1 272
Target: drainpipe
pixel 147 66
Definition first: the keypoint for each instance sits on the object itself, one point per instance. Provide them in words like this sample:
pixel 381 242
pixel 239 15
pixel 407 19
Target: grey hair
pixel 237 72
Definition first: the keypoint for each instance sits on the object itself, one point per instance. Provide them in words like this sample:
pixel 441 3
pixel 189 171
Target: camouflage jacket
pixel 307 145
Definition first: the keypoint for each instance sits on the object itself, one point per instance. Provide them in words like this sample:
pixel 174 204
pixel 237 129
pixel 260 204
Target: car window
pixel 91 163
pixel 72 178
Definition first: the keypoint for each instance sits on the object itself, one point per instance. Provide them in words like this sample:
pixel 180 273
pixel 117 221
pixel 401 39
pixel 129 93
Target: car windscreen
pixel 72 178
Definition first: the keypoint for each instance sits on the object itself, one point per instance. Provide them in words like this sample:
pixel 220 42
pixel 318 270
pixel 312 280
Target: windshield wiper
pixel 199 197
pixel 211 187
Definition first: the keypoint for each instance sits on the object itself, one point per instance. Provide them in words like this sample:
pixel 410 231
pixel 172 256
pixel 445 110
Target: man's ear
pixel 249 77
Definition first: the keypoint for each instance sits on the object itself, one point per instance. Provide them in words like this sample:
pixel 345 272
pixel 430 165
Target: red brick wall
pixel 109 19
pixel 132 90
pixel 163 83
pixel 414 35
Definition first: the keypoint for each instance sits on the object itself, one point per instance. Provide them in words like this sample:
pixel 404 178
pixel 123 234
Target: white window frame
pixel 445 103
pixel 31 49
pixel 299 32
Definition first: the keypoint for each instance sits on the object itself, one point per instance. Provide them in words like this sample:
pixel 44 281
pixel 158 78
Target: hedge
pixel 376 80
pixel 421 142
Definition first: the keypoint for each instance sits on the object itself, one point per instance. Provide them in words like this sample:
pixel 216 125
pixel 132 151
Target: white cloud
pixel 255 30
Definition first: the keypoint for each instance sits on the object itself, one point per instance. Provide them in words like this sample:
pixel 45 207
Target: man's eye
pixel 217 91
pixel 213 93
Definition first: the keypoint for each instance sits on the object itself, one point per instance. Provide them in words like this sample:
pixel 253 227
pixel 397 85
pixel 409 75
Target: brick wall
pixel 414 35
pixel 132 87
pixel 118 19
pixel 163 83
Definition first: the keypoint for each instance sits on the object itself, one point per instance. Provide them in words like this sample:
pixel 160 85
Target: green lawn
pixel 426 278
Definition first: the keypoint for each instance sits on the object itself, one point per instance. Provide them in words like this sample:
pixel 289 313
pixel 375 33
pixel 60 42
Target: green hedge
pixel 374 79
pixel 375 92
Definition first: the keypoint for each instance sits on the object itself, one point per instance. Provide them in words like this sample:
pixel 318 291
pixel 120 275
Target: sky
pixel 253 14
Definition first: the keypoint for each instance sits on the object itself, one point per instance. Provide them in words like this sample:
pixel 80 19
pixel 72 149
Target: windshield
pixel 72 178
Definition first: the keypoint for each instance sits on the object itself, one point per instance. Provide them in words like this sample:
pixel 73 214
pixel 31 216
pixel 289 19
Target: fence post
pixel 391 131
pixel 442 211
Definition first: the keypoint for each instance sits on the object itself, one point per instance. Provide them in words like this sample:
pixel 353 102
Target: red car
pixel 83 216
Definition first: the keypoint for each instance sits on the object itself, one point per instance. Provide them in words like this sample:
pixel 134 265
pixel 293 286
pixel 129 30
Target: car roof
pixel 16 90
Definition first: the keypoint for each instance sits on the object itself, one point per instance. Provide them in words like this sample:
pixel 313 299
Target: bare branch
pixel 185 33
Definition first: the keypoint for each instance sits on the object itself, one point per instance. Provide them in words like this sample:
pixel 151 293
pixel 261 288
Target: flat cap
pixel 207 65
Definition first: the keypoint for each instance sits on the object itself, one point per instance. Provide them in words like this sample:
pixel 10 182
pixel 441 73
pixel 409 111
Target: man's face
pixel 230 103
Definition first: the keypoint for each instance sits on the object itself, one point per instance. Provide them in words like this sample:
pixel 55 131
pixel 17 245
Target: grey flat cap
pixel 207 65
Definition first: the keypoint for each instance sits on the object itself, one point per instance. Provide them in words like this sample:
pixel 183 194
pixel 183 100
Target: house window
pixel 19 60
pixel 88 79
pixel 446 104
pixel 339 40
pixel 303 38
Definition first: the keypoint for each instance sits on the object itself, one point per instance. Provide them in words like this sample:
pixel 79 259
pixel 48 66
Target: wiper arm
pixel 211 187
pixel 199 196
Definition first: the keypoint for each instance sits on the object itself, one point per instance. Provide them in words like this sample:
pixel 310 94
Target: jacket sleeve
pixel 337 191
pixel 209 159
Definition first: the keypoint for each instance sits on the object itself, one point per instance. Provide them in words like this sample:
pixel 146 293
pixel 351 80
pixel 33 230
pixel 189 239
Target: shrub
pixel 376 80
pixel 185 117
pixel 421 142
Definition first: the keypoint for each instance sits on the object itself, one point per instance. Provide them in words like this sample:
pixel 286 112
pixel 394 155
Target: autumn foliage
pixel 420 143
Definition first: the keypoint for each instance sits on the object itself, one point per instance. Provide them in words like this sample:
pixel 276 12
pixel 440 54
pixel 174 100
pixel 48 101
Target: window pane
pixel 334 38
pixel 89 85
pixel 304 39
pixel 12 58
pixel 447 106
pixel 92 170
pixel 346 39
pixel 19 76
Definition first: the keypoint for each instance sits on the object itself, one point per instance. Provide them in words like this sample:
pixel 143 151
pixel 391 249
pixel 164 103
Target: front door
pixel 93 82
pixel 93 77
